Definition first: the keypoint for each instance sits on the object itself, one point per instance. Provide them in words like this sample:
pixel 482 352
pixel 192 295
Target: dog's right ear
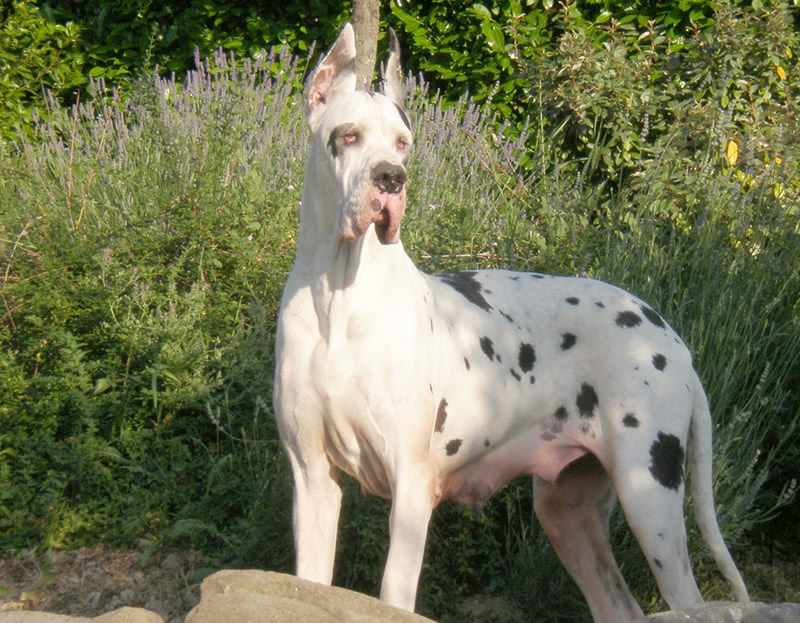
pixel 336 73
pixel 393 76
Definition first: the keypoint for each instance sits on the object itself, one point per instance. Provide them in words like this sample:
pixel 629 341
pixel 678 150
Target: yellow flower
pixel 732 151
pixel 781 72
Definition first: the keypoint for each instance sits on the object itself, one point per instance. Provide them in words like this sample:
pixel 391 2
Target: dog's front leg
pixel 315 515
pixel 412 504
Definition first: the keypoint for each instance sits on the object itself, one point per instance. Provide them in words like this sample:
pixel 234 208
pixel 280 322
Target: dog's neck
pixel 336 270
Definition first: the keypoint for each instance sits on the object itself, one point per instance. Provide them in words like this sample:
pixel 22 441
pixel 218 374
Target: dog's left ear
pixel 335 74
pixel 393 75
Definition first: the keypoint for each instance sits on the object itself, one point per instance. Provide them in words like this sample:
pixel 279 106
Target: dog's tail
pixel 702 486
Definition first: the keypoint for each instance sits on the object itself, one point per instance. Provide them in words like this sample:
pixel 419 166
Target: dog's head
pixel 360 142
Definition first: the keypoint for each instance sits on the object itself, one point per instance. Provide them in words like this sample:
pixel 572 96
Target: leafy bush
pixel 136 235
pixel 36 53
pixel 610 91
pixel 484 47
pixel 126 39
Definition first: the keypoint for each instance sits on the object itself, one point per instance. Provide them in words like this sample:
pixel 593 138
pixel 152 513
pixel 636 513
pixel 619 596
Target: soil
pixel 93 580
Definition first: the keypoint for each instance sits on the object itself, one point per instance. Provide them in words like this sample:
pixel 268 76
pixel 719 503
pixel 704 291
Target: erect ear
pixel 335 73
pixel 392 74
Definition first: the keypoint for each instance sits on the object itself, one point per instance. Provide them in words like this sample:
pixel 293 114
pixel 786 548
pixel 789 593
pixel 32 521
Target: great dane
pixel 434 387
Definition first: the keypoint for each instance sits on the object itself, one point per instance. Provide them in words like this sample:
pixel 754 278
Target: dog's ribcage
pixel 541 369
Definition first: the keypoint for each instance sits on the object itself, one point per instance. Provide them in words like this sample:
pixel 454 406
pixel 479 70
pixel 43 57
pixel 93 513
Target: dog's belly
pixel 538 451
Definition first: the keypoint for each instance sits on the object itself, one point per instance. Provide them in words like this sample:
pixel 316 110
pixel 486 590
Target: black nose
pixel 388 177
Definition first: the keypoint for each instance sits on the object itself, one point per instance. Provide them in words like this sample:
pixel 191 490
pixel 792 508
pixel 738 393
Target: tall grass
pixel 143 247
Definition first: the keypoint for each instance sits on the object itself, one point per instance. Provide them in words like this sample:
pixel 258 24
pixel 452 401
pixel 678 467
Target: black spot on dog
pixel 464 283
pixel 533 379
pixel 659 361
pixel 586 400
pixel 499 358
pixel 652 316
pixel 336 141
pixel 568 340
pixel 486 443
pixel 547 436
pixel 441 416
pixel 515 374
pixel 452 446
pixel 561 413
pixel 466 362
pixel 573 300
pixel 630 420
pixel 537 276
pixel 527 357
pixel 506 316
pixel 487 347
pixel 600 304
pixel 628 319
pixel 514 277
pixel 658 563
pixel 666 461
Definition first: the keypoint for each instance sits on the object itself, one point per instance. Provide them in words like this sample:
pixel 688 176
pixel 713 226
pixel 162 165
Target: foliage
pixel 482 48
pixel 127 39
pixel 135 236
pixel 61 46
pixel 466 46
pixel 610 91
pixel 35 53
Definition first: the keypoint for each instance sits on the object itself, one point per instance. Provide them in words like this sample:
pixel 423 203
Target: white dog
pixel 432 387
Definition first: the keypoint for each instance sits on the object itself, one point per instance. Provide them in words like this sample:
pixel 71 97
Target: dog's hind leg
pixel 651 497
pixel 574 512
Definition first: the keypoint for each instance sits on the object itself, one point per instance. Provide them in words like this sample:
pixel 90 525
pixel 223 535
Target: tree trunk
pixel 366 20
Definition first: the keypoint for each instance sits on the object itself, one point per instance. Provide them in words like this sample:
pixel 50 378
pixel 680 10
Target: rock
pixel 122 615
pixel 29 616
pixel 268 597
pixel 731 612
pixel 128 615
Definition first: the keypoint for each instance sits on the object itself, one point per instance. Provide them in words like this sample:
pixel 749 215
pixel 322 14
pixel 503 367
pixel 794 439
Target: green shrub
pixel 609 92
pixel 36 53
